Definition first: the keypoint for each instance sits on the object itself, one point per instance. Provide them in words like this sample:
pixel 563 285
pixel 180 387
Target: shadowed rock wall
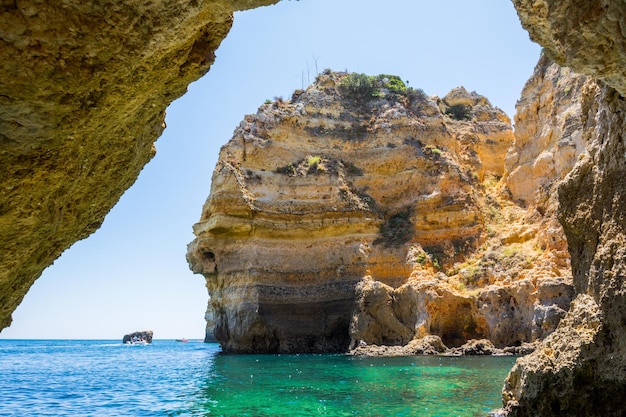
pixel 83 93
pixel 588 36
pixel 580 369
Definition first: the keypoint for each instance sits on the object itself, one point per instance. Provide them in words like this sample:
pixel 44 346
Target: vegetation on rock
pixel 362 87
pixel 397 229
pixel 460 112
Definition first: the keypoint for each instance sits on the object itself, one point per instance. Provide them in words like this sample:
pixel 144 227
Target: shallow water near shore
pixel 167 378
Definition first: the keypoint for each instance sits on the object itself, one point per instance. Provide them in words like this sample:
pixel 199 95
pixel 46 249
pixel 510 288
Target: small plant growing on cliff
pixel 352 169
pixel 416 95
pixel 310 165
pixel 286 170
pixel 460 112
pixel 471 273
pixel 313 160
pixel 432 150
pixel 417 255
pixel 436 263
pixel 421 258
pixel 397 229
pixel 314 165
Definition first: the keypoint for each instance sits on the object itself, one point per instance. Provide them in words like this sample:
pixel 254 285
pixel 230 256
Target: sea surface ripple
pixel 168 378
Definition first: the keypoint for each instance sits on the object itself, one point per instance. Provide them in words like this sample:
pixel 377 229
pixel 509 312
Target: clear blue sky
pixel 132 273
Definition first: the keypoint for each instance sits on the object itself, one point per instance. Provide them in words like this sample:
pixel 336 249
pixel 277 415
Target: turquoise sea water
pixel 167 378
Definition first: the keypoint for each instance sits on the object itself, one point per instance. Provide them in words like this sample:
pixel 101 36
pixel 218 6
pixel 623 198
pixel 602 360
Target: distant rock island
pixel 138 337
pixel 362 211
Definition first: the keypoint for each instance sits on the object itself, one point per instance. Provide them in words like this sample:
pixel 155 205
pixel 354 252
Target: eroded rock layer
pixel 365 212
pixel 83 93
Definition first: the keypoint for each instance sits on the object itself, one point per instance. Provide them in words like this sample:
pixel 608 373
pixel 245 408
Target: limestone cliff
pixel 363 211
pixel 83 91
pixel 579 369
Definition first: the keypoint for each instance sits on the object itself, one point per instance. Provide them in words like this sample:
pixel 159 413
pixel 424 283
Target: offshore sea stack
pixel 364 212
pixel 84 88
pixel 144 336
pixel 580 369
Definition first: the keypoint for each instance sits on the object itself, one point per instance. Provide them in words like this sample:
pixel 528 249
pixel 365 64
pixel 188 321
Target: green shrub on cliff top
pixel 358 86
pixel 393 83
pixel 366 87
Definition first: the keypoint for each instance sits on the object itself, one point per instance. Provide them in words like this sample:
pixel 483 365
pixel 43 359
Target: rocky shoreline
pixel 432 345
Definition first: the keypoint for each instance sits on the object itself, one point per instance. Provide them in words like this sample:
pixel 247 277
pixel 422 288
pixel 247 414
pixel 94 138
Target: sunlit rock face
pixel 548 134
pixel 84 87
pixel 83 91
pixel 363 211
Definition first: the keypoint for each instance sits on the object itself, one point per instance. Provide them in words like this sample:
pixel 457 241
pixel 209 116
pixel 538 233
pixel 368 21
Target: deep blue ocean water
pixel 168 378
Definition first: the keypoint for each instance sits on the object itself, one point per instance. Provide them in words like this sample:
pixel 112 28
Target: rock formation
pixel 83 93
pixel 427 345
pixel 580 369
pixel 144 336
pixel 363 211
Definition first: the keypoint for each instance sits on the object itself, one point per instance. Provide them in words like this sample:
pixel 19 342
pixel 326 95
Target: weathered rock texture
pixel 363 211
pixel 83 91
pixel 580 369
pixel 589 36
